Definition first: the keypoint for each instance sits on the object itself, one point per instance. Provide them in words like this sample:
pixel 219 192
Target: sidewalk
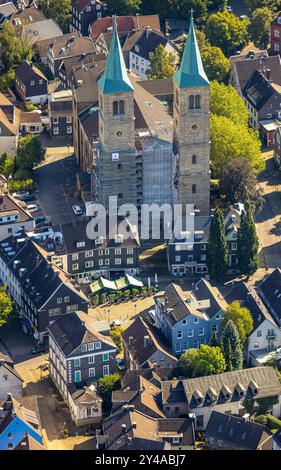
pixel 17 344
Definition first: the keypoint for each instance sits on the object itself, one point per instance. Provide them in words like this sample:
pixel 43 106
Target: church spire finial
pixel 191 71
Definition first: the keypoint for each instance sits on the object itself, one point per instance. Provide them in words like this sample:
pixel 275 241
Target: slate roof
pixel 88 73
pixel 71 45
pixel 26 72
pixel 80 5
pixel 259 90
pixel 204 290
pixel 264 377
pixel 28 416
pixel 191 71
pixel 146 41
pixel 84 396
pixel 28 443
pixel 237 432
pixel 30 15
pixel 134 336
pixel 270 290
pixel 7 9
pixel 39 278
pixel 71 330
pixel 246 68
pixel 9 115
pixel 9 368
pixel 10 206
pixel 172 427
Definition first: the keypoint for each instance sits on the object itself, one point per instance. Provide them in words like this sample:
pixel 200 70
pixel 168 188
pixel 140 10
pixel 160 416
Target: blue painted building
pixel 187 319
pixel 16 422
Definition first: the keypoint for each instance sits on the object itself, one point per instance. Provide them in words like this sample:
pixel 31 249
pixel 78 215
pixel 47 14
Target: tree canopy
pixel 162 63
pixel 247 243
pixel 58 10
pixel 6 306
pixel 115 335
pixel 123 7
pixel 217 247
pixel 231 347
pixel 225 101
pixel 29 154
pixel 14 47
pixel 231 141
pixel 206 360
pixel 227 31
pixel 239 183
pixel 241 318
pixel 260 26
pixel 216 65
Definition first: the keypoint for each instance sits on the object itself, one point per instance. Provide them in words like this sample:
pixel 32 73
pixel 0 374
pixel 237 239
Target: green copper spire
pixel 115 78
pixel 191 72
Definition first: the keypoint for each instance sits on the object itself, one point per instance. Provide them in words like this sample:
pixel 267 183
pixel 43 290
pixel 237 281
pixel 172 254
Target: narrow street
pixel 269 219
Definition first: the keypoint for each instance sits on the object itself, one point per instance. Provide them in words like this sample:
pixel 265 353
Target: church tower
pixel 192 127
pixel 116 163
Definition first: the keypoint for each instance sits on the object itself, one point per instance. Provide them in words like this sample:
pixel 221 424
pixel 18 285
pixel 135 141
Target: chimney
pixel 1 412
pixel 9 396
pixel 134 425
pixel 124 427
pixel 246 417
pixel 146 340
pixel 148 31
pixel 268 74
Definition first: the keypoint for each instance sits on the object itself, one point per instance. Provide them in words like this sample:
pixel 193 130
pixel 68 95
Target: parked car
pixel 42 222
pixel 40 348
pixel 77 210
pixel 32 207
pixel 24 196
pixel 120 364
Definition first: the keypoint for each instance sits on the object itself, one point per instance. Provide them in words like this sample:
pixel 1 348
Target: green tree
pixel 115 334
pixel 231 347
pixel 58 10
pixel 259 27
pixel 227 31
pixel 106 385
pixel 217 246
pixel 123 7
pixel 225 101
pixel 247 243
pixel 6 306
pixel 241 318
pixel 230 141
pixel 179 9
pixel 7 164
pixel 204 361
pixel 14 48
pixel 7 80
pixel 216 65
pixel 162 63
pixel 239 183
pixel 30 154
pixel 214 340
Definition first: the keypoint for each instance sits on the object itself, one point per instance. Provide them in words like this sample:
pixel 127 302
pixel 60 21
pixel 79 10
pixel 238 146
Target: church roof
pixel 115 78
pixel 191 71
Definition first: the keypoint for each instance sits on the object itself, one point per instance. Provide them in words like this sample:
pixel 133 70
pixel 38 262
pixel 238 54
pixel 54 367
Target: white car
pixel 32 207
pixel 77 210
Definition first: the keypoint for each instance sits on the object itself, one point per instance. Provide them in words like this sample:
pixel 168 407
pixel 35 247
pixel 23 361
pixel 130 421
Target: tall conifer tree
pixel 217 246
pixel 247 243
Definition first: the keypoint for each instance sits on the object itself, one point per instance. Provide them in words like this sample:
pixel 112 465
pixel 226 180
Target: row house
pixel 61 115
pixel 79 356
pixel 31 84
pixel 83 13
pixel 187 319
pixel 9 126
pixel 40 290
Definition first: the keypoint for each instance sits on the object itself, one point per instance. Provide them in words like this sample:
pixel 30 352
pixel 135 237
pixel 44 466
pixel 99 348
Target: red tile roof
pixel 125 24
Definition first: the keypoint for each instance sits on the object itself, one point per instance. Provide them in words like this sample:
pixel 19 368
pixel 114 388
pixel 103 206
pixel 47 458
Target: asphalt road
pixel 56 182
pixel 268 221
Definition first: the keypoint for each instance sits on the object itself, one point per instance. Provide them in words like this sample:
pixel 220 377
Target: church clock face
pixel 194 127
pixel 118 134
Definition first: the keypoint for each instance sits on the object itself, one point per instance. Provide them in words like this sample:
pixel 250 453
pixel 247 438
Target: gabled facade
pixel 275 35
pixel 187 319
pixel 31 84
pixel 9 126
pixel 10 381
pixel 83 13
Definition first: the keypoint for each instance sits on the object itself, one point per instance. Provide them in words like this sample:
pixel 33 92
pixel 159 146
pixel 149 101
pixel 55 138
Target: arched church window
pixel 194 189
pixel 121 107
pixel 191 102
pixel 197 101
pixel 194 159
pixel 115 108
pixel 118 108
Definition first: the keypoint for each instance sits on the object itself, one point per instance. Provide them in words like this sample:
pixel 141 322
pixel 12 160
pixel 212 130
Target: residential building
pixel 28 443
pixel 143 347
pixel 79 355
pixel 16 422
pixel 40 30
pixel 31 84
pixel 84 12
pixel 115 253
pixel 125 24
pixel 266 334
pixel 187 319
pixel 225 393
pixel 275 35
pixel 27 15
pixel 9 126
pixel 68 45
pixel 31 123
pixel 40 290
pixel 226 432
pixel 77 63
pixel 139 47
pixel 192 92
pixel 61 115
pixel 187 249
pixel 7 10
pixel 10 380
pixel 270 293
pixel 13 215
